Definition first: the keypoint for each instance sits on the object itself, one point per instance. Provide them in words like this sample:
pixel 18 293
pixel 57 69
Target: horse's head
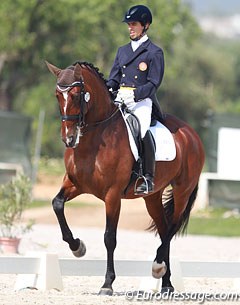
pixel 73 101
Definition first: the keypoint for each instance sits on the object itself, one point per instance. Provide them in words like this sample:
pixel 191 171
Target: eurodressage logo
pixel 182 296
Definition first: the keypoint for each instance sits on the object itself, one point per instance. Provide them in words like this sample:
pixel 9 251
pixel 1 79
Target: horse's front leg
pixel 78 247
pixel 112 216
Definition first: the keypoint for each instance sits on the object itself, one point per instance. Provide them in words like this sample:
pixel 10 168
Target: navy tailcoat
pixel 142 70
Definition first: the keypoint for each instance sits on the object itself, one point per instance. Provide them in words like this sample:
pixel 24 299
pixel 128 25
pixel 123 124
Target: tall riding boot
pixel 147 185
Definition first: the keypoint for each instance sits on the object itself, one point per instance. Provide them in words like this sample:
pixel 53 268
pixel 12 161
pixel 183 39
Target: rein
pixel 84 98
pixel 95 124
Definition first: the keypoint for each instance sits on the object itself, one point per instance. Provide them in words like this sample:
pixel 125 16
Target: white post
pixel 176 271
pixel 47 277
pixel 202 200
pixel 154 285
pixel 236 282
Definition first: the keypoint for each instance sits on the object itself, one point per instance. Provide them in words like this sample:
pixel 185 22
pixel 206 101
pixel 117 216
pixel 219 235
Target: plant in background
pixel 15 197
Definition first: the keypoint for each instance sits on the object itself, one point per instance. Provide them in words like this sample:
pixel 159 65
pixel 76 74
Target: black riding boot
pixel 147 186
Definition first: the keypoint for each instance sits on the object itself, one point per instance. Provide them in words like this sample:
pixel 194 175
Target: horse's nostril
pixel 69 141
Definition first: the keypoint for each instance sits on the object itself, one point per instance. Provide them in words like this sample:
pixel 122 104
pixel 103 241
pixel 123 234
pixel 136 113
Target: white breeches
pixel 143 111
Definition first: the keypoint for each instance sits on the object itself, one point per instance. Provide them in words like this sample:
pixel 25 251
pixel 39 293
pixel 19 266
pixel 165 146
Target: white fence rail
pixel 45 270
pixel 76 267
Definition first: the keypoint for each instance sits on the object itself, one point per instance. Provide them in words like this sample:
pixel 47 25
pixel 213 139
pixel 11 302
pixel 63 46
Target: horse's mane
pixel 91 67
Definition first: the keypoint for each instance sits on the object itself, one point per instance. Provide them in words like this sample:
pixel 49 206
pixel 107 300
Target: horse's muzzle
pixel 70 141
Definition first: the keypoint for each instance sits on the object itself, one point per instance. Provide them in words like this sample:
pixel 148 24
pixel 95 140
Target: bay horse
pixel 99 161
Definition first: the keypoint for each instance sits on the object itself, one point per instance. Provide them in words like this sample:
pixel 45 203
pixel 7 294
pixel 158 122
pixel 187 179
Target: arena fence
pixel 45 270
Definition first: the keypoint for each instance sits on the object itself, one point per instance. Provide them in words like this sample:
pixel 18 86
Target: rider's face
pixel 135 29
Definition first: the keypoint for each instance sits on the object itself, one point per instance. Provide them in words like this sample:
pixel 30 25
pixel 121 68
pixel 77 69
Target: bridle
pixel 83 100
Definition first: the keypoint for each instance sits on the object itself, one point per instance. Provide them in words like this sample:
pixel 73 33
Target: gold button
pixel 124 67
pixel 123 75
pixel 135 76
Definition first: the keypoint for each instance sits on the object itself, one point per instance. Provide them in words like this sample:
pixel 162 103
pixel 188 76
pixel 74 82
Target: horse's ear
pixel 54 70
pixel 78 72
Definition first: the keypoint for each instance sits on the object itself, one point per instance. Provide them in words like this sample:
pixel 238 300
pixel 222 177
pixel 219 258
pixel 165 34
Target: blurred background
pixel 201 43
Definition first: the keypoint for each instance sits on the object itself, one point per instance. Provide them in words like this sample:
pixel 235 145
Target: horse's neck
pixel 102 106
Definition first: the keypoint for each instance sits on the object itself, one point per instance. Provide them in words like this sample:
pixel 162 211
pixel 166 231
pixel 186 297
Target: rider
pixel 137 73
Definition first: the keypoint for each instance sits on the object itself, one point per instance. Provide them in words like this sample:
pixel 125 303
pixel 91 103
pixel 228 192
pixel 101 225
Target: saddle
pixel 134 124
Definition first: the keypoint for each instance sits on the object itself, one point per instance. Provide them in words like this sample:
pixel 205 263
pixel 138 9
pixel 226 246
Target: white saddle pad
pixel 165 145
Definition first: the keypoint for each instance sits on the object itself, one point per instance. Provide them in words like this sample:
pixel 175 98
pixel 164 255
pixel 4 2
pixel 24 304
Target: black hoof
pixel 167 289
pixel 106 291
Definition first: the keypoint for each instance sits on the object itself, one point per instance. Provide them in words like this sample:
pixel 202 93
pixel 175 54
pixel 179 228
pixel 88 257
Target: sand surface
pixel 133 243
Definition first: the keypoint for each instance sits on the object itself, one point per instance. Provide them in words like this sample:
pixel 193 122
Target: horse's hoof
pixel 81 251
pixel 167 289
pixel 106 291
pixel 158 270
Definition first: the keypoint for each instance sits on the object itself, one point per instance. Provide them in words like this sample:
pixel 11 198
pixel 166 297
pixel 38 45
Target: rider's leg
pixel 143 111
pixel 147 186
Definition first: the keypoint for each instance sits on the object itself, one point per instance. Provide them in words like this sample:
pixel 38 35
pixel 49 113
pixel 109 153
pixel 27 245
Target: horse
pixel 99 161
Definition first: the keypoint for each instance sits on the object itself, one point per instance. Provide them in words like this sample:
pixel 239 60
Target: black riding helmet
pixel 139 13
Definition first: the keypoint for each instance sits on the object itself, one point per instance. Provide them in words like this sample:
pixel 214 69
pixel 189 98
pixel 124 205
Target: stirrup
pixel 145 180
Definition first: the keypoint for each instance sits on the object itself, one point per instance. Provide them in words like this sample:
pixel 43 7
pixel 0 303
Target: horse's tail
pixel 186 214
pixel 168 204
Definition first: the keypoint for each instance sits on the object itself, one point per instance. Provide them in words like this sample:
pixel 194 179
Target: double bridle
pixel 83 100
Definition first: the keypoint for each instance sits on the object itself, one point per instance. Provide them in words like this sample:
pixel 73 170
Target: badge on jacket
pixel 143 66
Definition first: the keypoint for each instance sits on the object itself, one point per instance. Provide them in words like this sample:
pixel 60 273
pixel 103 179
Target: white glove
pixel 126 96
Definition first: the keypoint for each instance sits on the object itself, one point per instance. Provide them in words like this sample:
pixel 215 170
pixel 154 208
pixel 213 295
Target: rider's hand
pixel 126 96
pixel 112 93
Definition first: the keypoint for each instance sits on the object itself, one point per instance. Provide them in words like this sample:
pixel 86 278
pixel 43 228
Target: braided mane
pixel 92 67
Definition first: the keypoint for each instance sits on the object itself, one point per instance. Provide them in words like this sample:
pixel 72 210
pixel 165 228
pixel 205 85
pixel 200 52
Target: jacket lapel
pixel 130 55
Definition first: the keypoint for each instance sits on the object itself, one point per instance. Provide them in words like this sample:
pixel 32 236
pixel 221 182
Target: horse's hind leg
pixel 183 202
pixel 78 248
pixel 156 211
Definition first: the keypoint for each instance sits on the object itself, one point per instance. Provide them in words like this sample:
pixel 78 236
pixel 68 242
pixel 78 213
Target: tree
pixel 14 44
pixel 198 79
pixel 64 31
